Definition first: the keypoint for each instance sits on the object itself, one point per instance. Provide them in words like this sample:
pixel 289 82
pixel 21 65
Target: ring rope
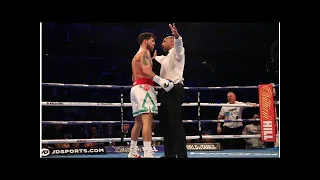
pixel 47 103
pixel 62 141
pixel 155 121
pixel 103 104
pixel 128 87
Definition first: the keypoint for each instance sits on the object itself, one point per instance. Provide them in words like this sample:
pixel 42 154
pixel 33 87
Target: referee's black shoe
pixel 172 156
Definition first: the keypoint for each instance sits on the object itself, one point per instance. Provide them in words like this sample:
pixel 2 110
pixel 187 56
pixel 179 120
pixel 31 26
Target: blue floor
pixel 241 153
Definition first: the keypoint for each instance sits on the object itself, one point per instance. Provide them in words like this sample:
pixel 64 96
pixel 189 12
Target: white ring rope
pixel 155 121
pixel 102 104
pixel 128 87
pixel 62 141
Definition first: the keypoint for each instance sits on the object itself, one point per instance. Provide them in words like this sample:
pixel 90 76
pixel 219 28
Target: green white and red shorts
pixel 143 97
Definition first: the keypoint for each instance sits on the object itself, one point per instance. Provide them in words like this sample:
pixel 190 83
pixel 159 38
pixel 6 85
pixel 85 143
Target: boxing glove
pixel 165 84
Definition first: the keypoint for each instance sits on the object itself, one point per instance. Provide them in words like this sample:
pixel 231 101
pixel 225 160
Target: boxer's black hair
pixel 145 36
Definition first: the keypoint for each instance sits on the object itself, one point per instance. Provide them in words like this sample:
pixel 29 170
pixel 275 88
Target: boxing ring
pixel 236 153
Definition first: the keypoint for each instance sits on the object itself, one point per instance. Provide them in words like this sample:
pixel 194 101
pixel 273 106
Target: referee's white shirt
pixel 172 65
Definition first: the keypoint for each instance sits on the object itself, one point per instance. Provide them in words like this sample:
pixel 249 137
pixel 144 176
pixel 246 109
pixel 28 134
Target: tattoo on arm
pixel 145 61
pixel 145 58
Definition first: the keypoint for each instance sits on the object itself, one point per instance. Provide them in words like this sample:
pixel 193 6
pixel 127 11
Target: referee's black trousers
pixel 171 122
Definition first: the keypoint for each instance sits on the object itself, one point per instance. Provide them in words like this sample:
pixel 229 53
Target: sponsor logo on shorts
pixel 146 87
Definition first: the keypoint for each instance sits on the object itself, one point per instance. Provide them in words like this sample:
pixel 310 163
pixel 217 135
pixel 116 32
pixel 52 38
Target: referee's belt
pixel 178 84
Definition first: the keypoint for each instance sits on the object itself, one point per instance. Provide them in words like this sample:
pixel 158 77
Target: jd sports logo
pixel 166 85
pixel 45 152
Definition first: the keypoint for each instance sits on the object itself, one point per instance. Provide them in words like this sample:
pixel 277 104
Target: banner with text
pixel 72 151
pixel 267 113
pixel 126 149
pixel 160 148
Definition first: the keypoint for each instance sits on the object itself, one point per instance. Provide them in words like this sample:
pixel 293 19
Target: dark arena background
pixel 232 56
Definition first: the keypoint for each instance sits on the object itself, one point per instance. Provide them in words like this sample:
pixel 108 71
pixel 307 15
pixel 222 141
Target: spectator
pixel 250 129
pixel 232 128
pixel 126 133
pixel 94 134
pixel 58 132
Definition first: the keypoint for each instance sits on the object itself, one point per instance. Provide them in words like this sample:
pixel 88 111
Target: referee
pixel 172 66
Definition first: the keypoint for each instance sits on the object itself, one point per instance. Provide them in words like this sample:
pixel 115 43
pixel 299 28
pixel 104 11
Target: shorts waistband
pixel 143 81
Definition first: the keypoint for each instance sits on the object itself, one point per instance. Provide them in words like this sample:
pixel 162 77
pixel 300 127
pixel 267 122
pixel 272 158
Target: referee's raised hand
pixel 174 30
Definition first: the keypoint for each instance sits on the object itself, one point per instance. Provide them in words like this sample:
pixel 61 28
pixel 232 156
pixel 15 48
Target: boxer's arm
pixel 146 64
pixel 178 46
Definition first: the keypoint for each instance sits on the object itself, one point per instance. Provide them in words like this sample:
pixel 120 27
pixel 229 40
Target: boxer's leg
pixel 136 129
pixel 149 103
pixel 147 120
pixel 135 132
